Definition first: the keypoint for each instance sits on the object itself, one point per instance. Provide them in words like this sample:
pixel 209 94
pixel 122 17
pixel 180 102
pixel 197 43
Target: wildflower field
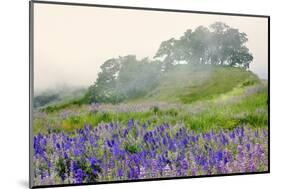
pixel 197 106
pixel 127 141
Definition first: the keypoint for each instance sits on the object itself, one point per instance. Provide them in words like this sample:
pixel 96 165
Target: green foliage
pixel 172 112
pixel 136 78
pixel 155 109
pixel 132 148
pixel 249 82
pixel 218 45
pixel 58 107
pixel 123 78
pixel 104 88
pixel 61 167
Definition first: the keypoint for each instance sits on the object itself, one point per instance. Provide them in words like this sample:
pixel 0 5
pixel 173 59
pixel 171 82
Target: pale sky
pixel 71 42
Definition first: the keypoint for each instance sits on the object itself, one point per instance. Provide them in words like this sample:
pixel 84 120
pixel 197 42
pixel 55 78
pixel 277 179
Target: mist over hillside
pixel 195 108
pixel 200 64
pixel 57 95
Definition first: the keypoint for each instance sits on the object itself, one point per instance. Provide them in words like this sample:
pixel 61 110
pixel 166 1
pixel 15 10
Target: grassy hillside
pixel 62 97
pixel 200 98
pixel 182 84
pixel 187 83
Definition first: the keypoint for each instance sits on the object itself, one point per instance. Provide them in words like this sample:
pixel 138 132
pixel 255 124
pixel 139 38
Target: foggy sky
pixel 71 42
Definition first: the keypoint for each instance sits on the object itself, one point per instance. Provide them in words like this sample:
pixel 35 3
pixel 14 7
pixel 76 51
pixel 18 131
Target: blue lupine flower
pixel 79 176
pixel 120 172
pixel 130 124
pixel 125 133
pixel 99 154
pixel 248 146
pixel 232 135
pixel 65 155
pixel 164 141
pixel 219 156
pixel 58 145
pixel 185 165
pixel 224 140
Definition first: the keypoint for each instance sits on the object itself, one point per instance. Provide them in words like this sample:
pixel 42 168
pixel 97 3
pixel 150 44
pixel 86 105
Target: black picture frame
pixel 31 89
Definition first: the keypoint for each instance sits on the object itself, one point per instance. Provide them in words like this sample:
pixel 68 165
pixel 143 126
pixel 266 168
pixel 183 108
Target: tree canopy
pixel 217 44
pixel 123 78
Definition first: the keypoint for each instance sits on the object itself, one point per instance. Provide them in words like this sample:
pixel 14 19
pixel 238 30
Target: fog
pixel 71 42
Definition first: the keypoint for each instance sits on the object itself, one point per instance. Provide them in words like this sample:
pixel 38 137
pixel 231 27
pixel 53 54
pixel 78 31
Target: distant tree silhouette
pixel 219 45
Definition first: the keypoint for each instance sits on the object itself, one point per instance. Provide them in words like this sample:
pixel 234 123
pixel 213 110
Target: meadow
pixel 202 120
pixel 194 108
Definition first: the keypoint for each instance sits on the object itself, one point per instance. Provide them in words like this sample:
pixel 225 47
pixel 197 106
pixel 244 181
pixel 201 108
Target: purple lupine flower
pixel 219 156
pixel 163 151
pixel 130 124
pixel 232 135
pixel 248 146
pixel 194 171
pixel 120 172
pixel 79 176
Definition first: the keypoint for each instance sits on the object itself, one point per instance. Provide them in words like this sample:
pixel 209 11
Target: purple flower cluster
pixel 111 152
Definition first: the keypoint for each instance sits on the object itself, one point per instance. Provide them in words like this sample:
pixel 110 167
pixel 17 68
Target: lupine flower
pixel 101 153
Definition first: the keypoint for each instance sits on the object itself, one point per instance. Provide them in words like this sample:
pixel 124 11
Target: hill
pixel 183 84
pixel 189 83
pixel 201 97
pixel 57 96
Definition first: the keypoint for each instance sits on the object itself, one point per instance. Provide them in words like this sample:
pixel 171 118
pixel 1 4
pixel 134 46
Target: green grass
pixel 208 97
pixel 188 83
pixel 248 110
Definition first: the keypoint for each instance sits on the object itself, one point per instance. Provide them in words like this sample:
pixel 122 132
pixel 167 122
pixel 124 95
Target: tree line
pixel 218 45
